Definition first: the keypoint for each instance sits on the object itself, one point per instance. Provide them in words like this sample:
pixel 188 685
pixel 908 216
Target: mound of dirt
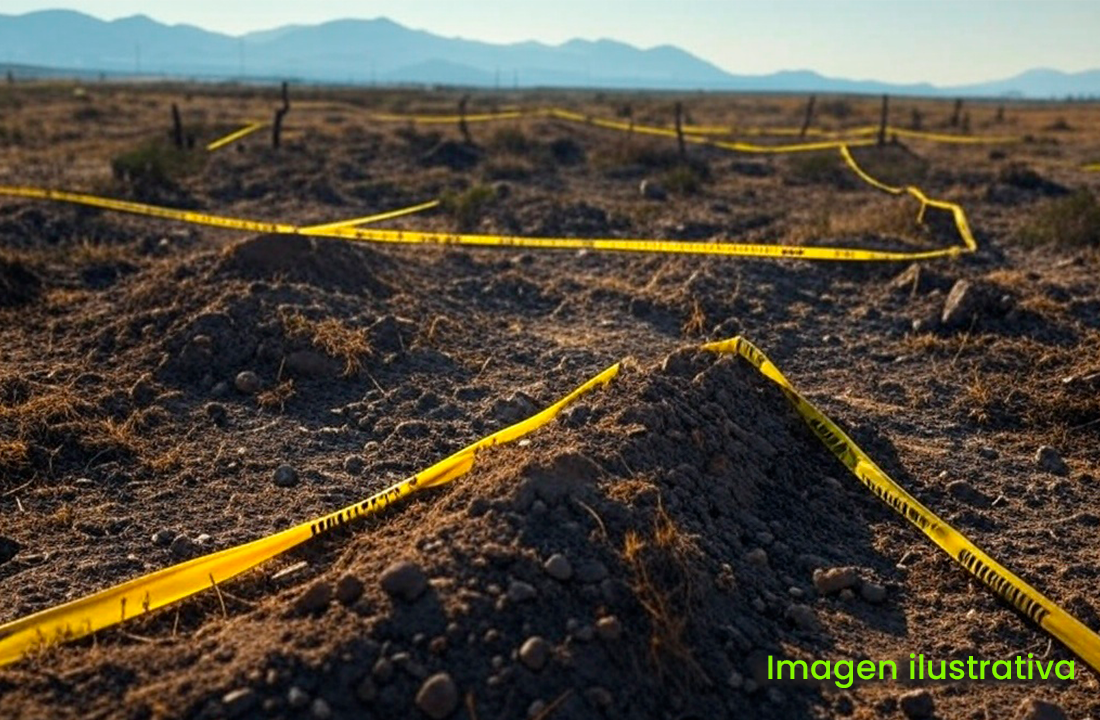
pixel 639 558
pixel 18 285
pixel 325 263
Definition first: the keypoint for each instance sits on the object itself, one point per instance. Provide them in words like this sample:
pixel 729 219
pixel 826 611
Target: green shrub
pixel 1072 220
pixel 467 207
pixel 155 163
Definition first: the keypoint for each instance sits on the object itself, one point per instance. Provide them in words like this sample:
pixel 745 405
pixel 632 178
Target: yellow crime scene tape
pixel 235 135
pixel 343 229
pixel 322 229
pixel 1045 613
pixel 142 595
pixel 704 130
pixel 1094 167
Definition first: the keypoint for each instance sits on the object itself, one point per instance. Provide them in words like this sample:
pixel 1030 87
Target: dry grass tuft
pixel 332 337
pixel 277 396
pixel 661 579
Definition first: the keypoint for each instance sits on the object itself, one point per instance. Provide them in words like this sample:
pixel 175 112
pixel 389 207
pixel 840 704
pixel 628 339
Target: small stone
pixel 558 567
pixel 519 591
pixel 314 600
pixel 203 539
pixel 652 191
pixel 534 653
pixel 238 702
pixel 833 580
pixel 285 476
pixel 1048 460
pixel 220 389
pixel 964 304
pixel 917 704
pixel 182 546
pixel 248 382
pixel 873 592
pixel 382 670
pixel 438 696
pixel 966 492
pixel 803 616
pixel 609 628
pixel 536 708
pixel 584 633
pixel 216 412
pixel 320 710
pixel 296 697
pixel 163 537
pixel 353 465
pixel 348 589
pixel 366 690
pixel 757 557
pixel 735 680
pixel 1035 709
pixel 846 595
pixel 404 580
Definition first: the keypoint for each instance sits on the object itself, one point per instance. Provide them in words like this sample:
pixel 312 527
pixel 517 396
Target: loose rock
pixel 296 697
pixel 917 704
pixel 320 710
pixel 238 702
pixel 285 476
pixel 803 616
pixel 1035 709
pixel 558 567
pixel 404 580
pixel 248 382
pixel 609 628
pixel 438 696
pixel 314 600
pixel 652 191
pixel 873 592
pixel 1048 460
pixel 348 589
pixel 353 464
pixel 965 303
pixel 833 580
pixel 534 653
pixel 519 591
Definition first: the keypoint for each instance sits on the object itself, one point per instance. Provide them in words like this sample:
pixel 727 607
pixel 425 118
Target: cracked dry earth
pixel 169 390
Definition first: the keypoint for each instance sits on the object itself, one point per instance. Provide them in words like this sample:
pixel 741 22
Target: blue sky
pixel 941 41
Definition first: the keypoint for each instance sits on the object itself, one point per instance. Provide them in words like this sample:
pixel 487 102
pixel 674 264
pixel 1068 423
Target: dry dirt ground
pixel 639 556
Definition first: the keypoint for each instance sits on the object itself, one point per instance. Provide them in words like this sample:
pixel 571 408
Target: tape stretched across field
pixel 235 135
pixel 698 133
pixel 145 594
pixel 343 229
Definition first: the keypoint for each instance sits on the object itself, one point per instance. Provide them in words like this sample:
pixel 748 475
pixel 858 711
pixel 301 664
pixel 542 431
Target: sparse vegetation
pixel 468 206
pixel 155 163
pixel 332 337
pixel 1073 220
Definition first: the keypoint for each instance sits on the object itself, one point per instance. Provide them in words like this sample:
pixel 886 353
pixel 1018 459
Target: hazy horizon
pixel 944 43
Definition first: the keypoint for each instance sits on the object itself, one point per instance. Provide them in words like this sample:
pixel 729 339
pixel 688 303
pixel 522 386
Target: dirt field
pixel 640 556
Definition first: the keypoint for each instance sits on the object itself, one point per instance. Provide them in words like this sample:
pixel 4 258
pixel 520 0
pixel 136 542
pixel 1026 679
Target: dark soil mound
pixel 322 262
pixel 18 285
pixel 455 155
pixel 639 558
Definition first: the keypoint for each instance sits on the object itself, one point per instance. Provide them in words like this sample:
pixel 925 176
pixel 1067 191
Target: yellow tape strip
pixel 109 607
pixel 235 135
pixel 451 119
pixel 1094 167
pixel 1030 602
pixel 139 596
pixel 322 229
pixel 676 247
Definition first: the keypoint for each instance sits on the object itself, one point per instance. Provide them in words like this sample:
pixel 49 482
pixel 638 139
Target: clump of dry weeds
pixel 332 337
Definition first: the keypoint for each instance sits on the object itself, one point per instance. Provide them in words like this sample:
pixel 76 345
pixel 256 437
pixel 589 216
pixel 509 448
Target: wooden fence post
pixel 177 127
pixel 280 113
pixel 680 130
pixel 957 115
pixel 809 117
pixel 462 127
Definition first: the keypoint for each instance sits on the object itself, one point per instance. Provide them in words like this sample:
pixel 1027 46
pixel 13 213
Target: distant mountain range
pixel 63 42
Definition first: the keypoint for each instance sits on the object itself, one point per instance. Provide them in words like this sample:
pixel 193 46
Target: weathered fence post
pixel 462 127
pixel 809 116
pixel 882 120
pixel 177 127
pixel 280 113
pixel 957 115
pixel 916 119
pixel 680 130
pixel 630 116
pixel 1000 117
